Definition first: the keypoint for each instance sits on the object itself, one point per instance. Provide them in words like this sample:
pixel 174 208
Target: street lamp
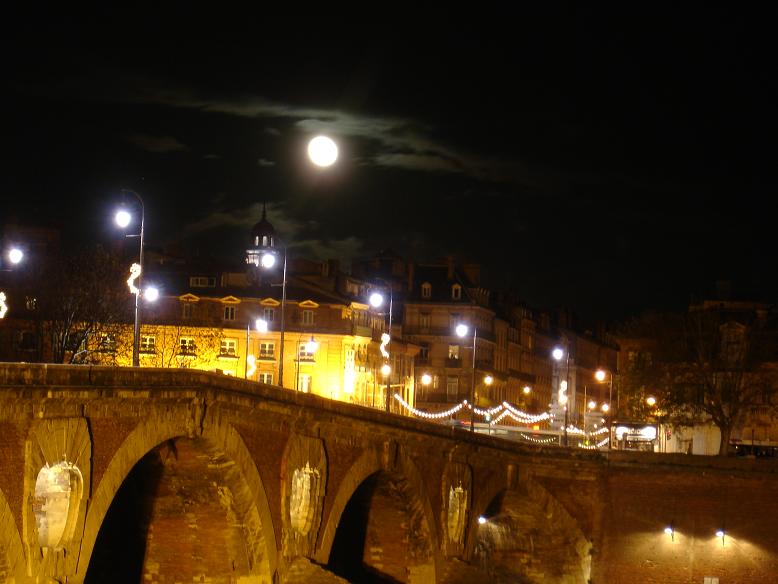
pixel 462 330
pixel 311 347
pixel 557 354
pixel 266 257
pixel 123 218
pixel 600 376
pixel 376 301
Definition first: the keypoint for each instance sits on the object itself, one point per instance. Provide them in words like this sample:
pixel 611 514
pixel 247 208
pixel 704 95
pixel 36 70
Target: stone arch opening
pixel 526 536
pixel 383 535
pixel 183 513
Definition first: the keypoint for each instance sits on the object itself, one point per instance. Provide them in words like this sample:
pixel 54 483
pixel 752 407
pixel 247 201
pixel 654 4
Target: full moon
pixel 322 151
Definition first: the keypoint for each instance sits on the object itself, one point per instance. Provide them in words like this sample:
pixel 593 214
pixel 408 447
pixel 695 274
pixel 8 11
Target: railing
pixel 453 363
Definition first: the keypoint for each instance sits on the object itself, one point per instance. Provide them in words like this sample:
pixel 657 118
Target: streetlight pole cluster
pixel 123 219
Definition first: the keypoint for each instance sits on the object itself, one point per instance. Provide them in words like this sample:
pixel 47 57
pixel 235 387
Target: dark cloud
pixel 156 144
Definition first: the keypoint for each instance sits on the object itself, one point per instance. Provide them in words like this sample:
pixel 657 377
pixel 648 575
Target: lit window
pixel 307 317
pixel 107 343
pixel 266 378
pixel 187 345
pixel 266 350
pixel 426 290
pixel 456 292
pixel 31 302
pixel 228 348
pixel 303 353
pixel 229 313
pixel 306 383
pixel 148 344
pixel 453 351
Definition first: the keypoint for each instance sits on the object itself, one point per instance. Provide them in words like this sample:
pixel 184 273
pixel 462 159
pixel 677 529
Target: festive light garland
pixel 385 338
pixel 489 412
pixel 551 440
pixel 531 419
pixel 3 305
pixel 428 415
pixel 134 274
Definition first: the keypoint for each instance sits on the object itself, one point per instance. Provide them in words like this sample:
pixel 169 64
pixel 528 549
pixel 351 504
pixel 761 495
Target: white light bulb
pixel 268 260
pixel 122 218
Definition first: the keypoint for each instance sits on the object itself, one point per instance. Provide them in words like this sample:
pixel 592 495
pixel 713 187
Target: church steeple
pixel 263 236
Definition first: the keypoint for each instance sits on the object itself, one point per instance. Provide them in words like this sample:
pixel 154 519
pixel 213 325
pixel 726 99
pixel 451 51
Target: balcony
pixel 453 363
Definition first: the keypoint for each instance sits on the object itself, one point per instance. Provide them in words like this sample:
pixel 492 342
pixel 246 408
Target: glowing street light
pixel 376 300
pixel 123 219
pixel 481 520
pixel 526 389
pixel 605 408
pixel 558 353
pixel 322 151
pixel 261 325
pixel 462 330
pixel 651 400
pixel 151 294
pixel 599 375
pixel 488 380
pixel 592 404
pixel 426 379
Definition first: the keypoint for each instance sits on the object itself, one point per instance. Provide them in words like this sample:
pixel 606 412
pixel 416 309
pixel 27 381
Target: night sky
pixel 605 161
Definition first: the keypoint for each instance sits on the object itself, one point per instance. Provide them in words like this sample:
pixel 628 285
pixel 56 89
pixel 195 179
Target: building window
pixel 424 320
pixel 303 354
pixel 31 302
pixel 187 346
pixel 456 292
pixel 228 348
pixel 186 310
pixel 307 317
pixel 229 313
pixel 266 378
pixel 148 344
pixel 426 290
pixel 306 383
pixel 107 343
pixel 453 351
pixel 452 388
pixel 269 314
pixel 202 282
pixel 424 353
pixel 267 350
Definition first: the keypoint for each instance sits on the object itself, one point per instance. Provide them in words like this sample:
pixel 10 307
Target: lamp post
pixel 462 330
pixel 376 301
pixel 600 375
pixel 310 348
pixel 557 354
pixel 123 219
pixel 266 258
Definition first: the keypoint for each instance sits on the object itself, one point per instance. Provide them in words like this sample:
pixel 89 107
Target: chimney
pixel 473 273
pixel 450 266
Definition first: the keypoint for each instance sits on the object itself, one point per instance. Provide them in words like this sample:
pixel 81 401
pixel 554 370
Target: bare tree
pixel 707 365
pixel 83 305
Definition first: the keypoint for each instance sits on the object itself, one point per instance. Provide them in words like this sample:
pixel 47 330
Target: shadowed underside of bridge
pixel 167 476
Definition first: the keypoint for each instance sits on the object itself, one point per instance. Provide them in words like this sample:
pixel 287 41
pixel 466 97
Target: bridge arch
pixel 528 536
pixel 245 494
pixel 11 550
pixel 387 475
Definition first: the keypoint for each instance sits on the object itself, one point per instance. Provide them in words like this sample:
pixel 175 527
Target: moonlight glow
pixel 322 151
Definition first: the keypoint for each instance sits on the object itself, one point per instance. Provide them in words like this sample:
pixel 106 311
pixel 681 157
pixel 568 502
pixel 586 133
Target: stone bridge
pixel 161 475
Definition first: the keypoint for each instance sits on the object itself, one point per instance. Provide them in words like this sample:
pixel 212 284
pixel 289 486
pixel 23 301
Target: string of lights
pixel 428 415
